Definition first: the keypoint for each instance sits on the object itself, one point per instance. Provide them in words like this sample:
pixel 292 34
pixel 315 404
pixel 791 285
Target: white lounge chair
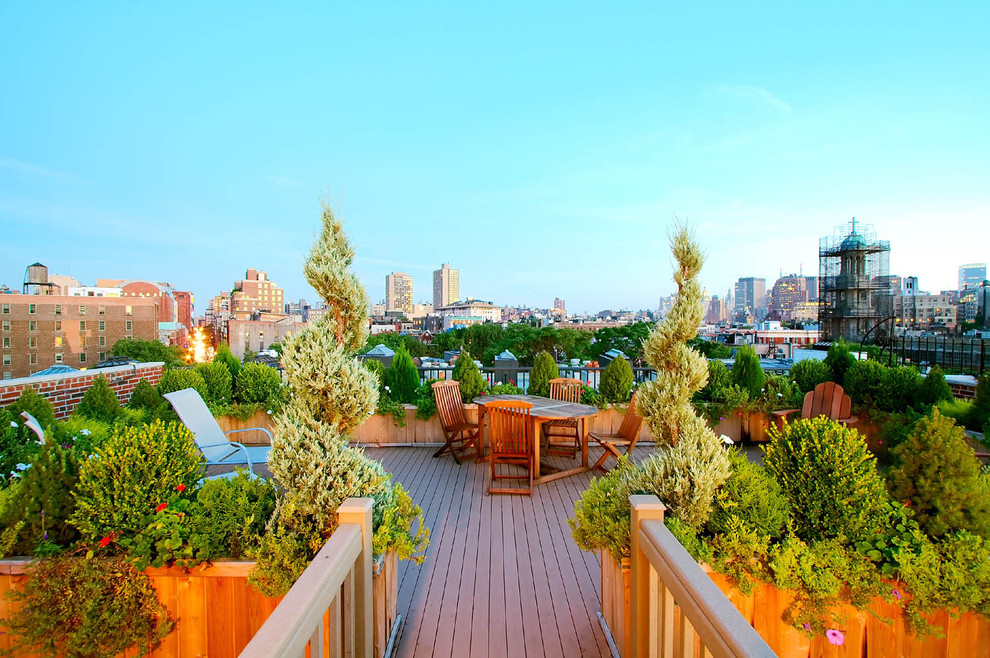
pixel 217 449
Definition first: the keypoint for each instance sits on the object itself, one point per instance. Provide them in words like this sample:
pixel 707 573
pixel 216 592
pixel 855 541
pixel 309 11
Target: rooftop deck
pixel 502 576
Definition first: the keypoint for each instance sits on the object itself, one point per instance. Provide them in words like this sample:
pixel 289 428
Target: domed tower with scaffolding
pixel 854 269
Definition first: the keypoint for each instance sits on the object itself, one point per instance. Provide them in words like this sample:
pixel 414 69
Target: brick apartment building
pixel 37 331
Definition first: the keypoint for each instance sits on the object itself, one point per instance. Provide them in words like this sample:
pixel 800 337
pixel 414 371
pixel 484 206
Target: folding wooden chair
pixel 457 431
pixel 627 436
pixel 562 435
pixel 510 442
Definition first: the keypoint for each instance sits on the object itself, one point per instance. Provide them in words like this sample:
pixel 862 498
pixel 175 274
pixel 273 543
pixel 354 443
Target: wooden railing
pixel 329 609
pixel 676 608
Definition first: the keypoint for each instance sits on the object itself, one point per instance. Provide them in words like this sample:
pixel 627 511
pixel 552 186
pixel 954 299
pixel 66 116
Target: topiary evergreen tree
pixel 219 381
pixel 99 402
pixel 935 389
pixel 616 382
pixel 544 369
pixel 466 373
pixel 937 474
pixel 402 378
pixel 145 396
pixel 838 360
pixel 225 356
pixel 747 373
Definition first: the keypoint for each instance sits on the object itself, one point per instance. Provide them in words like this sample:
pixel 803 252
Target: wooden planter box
pixel 866 636
pixel 732 425
pixel 259 418
pixel 216 611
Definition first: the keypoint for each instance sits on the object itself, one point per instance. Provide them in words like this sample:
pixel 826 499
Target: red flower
pixel 105 542
pixel 180 488
pixel 161 507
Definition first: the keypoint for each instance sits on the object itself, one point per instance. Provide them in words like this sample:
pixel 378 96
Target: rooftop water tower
pixel 36 281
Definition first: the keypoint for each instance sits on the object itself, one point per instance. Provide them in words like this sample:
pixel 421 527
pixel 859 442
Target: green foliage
pixel 752 498
pixel 980 417
pixel 396 342
pixel 168 536
pixel 134 471
pixel 958 410
pixel 740 552
pixel 864 383
pixel 18 446
pixel 602 513
pixel 233 512
pixel 901 388
pixel 512 389
pixel 466 373
pixel 178 379
pixel 148 351
pixel 937 474
pixel 779 392
pixel 41 502
pixel 810 373
pixel 219 383
pixel 426 405
pixel 616 381
pixel 257 383
pixel 99 402
pixel 378 369
pixel 145 397
pixel 710 349
pixel 395 532
pixel 747 373
pixel 838 361
pixel 389 407
pixel 402 378
pixel 829 478
pixel 720 395
pixel 226 357
pixel 282 557
pixel 589 395
pixel 544 369
pixel 80 434
pixel 627 339
pixel 935 389
pixel 36 405
pixel 77 607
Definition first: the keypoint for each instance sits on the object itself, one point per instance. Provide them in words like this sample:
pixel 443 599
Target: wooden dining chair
pixel 563 437
pixel 458 432
pixel 510 442
pixel 627 436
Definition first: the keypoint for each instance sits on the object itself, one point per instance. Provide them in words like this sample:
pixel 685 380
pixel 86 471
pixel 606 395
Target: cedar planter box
pixel 217 612
pixel 732 425
pixel 865 635
pixel 259 418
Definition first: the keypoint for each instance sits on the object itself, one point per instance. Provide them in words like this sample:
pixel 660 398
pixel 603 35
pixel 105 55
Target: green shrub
pixel 981 404
pixel 233 512
pixel 426 405
pixel 838 360
pixel 747 373
pixel 225 356
pixel 148 351
pixel 466 373
pixel 257 383
pixel 602 514
pixel 616 381
pixel 379 369
pixel 145 397
pixel 958 410
pixel 72 606
pixel 901 388
pixel 219 383
pixel 810 373
pixel 178 379
pixel 720 395
pixel 938 475
pixel 43 501
pixel 544 369
pixel 99 402
pixel 83 435
pixel 134 471
pixel 395 531
pixel 779 392
pixel 402 378
pixel 36 405
pixel 829 478
pixel 865 383
pixel 935 389
pixel 18 444
pixel 752 497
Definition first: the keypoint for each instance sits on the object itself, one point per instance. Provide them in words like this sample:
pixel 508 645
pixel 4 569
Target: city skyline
pixel 545 157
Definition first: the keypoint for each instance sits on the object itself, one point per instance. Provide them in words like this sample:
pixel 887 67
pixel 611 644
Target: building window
pixel 33 325
pixel 82 325
pixel 58 309
pixel 82 341
pixel 33 341
pixel 128 310
pixel 58 341
pixel 5 308
pixel 6 325
pixel 82 310
pixel 8 375
pixel 58 357
pixel 103 356
pixel 6 343
pixel 58 325
pixel 103 341
pixel 103 309
pixel 33 359
pixel 128 325
pixel 6 359
pixel 82 357
pixel 32 309
pixel 103 325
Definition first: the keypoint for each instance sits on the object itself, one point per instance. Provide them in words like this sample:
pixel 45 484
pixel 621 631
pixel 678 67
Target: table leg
pixel 584 442
pixel 482 452
pixel 536 447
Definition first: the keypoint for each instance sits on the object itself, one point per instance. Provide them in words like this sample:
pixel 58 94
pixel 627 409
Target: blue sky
pixel 541 148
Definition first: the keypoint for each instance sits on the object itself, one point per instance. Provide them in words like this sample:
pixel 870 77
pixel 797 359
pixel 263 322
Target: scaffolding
pixel 856 290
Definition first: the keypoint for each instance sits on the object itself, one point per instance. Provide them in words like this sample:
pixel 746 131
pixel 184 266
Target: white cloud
pixel 753 94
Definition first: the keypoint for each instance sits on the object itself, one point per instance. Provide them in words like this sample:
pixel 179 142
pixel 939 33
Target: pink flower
pixel 807 627
pixel 105 541
pixel 897 595
pixel 161 507
pixel 835 637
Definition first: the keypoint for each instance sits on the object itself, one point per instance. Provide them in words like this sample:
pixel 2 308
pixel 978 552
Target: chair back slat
pixel 632 423
pixel 566 389
pixel 450 408
pixel 509 428
pixel 829 400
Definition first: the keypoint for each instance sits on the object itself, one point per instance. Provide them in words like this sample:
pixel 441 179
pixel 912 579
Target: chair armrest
pixel 231 444
pixel 784 412
pixel 252 429
pixel 848 421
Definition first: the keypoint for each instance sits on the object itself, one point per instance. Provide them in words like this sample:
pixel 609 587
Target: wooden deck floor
pixel 502 576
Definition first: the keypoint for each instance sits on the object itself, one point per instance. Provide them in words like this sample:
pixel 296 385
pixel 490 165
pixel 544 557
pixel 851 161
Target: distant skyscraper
pixel 446 286
pixel 716 310
pixel 751 297
pixel 972 275
pixel 560 306
pixel 399 293
pixel 787 293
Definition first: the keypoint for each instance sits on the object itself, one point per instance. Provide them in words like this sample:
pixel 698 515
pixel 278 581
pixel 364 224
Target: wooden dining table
pixel 545 409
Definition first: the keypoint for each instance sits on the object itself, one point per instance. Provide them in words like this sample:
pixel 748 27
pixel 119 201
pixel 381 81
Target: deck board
pixel 502 575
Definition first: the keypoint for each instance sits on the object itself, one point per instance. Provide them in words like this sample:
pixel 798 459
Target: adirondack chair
pixel 510 441
pixel 217 449
pixel 457 431
pixel 562 435
pixel 828 399
pixel 627 436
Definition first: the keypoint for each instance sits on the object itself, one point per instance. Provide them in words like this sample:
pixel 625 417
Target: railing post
pixel 358 511
pixel 643 508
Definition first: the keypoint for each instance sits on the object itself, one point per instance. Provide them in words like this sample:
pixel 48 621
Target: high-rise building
pixel 559 306
pixel 399 293
pixel 751 298
pixel 716 310
pixel 786 294
pixel 972 275
pixel 256 293
pixel 446 286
